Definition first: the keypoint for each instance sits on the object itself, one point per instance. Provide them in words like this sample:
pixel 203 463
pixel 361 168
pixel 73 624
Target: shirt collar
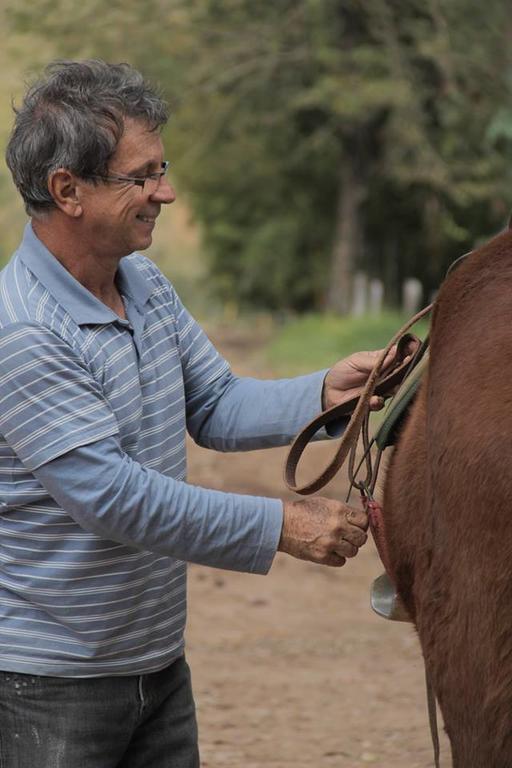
pixel 80 303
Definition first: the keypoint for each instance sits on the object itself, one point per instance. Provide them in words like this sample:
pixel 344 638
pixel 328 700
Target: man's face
pixel 119 218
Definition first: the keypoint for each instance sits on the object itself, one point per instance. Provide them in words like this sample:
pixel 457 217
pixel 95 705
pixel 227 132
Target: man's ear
pixel 63 186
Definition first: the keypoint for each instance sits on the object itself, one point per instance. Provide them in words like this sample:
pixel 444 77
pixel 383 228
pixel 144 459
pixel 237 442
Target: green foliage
pixel 404 92
pixel 277 105
pixel 316 341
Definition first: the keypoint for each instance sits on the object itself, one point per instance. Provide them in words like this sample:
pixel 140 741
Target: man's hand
pixel 348 376
pixel 322 530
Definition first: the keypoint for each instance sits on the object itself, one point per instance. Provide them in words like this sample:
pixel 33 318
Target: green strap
pixel 400 402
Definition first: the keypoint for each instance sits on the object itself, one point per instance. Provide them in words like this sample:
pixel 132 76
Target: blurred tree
pixel 360 133
pixel 444 176
pixel 315 137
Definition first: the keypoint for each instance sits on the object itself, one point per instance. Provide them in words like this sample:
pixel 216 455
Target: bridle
pixel 358 408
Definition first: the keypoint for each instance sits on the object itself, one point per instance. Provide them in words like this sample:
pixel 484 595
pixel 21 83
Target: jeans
pixel 144 721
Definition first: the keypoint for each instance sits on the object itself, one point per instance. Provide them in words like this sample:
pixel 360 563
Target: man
pixel 102 370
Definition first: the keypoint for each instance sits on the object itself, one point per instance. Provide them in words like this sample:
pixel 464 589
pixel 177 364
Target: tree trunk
pixel 347 240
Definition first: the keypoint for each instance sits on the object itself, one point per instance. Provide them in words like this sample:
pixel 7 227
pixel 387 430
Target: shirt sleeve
pixel 49 402
pixel 230 413
pixel 108 493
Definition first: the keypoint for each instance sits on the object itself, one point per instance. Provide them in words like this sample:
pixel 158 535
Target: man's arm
pixel 56 419
pixel 245 413
pixel 110 494
pixel 230 413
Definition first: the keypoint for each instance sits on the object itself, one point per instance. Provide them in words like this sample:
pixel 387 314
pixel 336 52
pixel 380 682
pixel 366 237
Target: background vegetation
pixel 310 139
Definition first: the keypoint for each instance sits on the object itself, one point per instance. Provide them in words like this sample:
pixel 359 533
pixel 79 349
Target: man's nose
pixel 164 193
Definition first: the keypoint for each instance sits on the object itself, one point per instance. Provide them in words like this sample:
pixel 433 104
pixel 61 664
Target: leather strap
pixel 432 719
pixel 356 407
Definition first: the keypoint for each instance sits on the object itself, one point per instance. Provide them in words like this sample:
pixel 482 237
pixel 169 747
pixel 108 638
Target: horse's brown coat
pixel 448 508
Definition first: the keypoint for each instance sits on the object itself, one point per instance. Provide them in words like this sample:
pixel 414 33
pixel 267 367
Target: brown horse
pixel 447 505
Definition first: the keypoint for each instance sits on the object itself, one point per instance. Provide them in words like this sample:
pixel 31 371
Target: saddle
pixel 400 403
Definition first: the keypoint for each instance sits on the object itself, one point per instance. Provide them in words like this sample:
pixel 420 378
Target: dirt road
pixel 293 669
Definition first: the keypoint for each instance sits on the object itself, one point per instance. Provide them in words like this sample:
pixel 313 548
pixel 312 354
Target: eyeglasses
pixel 148 184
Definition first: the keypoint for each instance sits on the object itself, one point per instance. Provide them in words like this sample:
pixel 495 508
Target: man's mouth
pixel 147 219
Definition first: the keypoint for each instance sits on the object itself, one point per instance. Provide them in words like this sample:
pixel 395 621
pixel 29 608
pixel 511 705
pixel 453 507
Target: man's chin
pixel 143 243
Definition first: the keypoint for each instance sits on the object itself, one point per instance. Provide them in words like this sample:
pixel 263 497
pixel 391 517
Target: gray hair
pixel 73 118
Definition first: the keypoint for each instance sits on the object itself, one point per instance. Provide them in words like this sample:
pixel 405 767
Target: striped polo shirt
pixel 97 520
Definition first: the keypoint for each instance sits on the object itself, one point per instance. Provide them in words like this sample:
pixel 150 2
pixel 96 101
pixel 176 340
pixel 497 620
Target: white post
pixel 359 294
pixel 412 292
pixel 376 296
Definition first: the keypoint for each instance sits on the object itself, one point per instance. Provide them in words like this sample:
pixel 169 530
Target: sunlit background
pixel 331 157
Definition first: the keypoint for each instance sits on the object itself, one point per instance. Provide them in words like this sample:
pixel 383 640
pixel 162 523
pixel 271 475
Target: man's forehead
pixel 139 143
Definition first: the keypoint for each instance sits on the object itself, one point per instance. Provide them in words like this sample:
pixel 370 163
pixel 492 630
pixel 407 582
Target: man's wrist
pixel 288 517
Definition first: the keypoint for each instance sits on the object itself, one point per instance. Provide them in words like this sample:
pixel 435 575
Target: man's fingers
pixel 390 356
pixel 322 530
pixel 412 346
pixel 334 559
pixel 355 536
pixel 345 549
pixel 357 517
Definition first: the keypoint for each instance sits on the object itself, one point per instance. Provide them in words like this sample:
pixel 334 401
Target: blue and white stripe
pixel 74 602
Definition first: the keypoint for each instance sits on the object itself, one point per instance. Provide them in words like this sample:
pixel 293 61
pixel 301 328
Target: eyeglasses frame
pixel 138 181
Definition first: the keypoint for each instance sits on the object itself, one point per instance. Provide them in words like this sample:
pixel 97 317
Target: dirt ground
pixel 294 669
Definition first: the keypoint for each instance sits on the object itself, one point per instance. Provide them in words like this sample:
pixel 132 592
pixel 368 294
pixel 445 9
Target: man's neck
pixel 94 271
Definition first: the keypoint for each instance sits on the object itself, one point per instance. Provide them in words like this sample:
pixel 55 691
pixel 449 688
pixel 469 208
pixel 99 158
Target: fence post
pixel 359 294
pixel 412 293
pixel 376 296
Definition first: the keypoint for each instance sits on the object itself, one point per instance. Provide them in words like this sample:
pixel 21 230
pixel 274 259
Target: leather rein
pixel 358 408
